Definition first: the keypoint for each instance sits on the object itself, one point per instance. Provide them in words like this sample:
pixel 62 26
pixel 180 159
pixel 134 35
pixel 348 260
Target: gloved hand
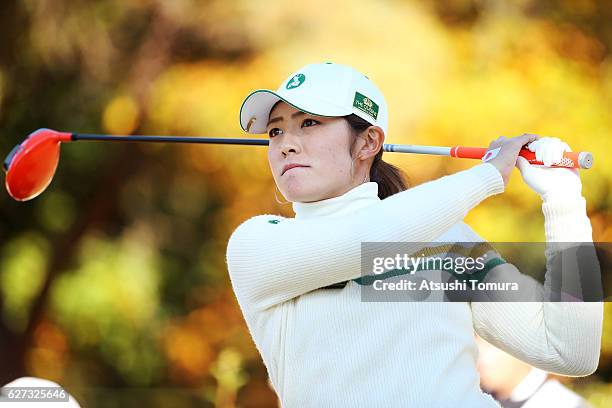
pixel 549 181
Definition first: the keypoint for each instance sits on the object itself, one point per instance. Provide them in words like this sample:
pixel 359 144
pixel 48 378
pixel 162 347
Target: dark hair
pixel 390 179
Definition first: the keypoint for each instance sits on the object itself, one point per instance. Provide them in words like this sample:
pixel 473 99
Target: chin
pixel 297 196
pixel 296 192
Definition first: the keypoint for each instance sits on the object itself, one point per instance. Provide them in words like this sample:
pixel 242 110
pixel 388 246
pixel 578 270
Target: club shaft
pixel 571 159
pixel 169 139
pixel 398 148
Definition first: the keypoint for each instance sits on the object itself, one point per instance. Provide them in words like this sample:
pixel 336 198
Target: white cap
pixel 325 89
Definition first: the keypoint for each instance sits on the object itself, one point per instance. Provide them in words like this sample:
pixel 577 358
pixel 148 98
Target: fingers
pixel 567 148
pixel 526 138
pixel 518 140
pixel 515 144
pixel 553 151
pixel 549 150
pixel 522 164
pixel 497 142
pixel 549 154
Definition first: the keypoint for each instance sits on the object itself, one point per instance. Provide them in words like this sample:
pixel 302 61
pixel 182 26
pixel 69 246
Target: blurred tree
pixel 62 61
pixel 581 20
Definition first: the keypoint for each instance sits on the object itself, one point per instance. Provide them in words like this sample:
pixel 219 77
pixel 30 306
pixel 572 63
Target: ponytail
pixel 390 179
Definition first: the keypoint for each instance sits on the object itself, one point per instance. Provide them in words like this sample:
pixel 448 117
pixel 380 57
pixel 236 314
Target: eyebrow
pixel 279 118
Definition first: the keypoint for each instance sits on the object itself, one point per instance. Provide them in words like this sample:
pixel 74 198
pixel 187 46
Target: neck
pixel 529 384
pixel 519 374
pixel 346 190
pixel 357 197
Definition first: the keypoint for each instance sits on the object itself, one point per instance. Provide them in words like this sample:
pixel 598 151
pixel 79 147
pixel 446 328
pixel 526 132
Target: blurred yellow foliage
pixel 120 116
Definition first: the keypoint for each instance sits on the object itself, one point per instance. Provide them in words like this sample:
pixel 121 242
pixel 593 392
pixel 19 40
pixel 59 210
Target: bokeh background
pixel 114 283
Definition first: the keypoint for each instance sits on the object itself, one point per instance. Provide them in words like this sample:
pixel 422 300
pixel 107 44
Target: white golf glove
pixel 549 181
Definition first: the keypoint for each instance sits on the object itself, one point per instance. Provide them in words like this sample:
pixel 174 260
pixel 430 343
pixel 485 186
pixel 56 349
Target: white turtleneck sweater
pixel 327 348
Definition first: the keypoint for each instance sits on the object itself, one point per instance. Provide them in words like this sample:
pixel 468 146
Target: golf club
pixel 30 166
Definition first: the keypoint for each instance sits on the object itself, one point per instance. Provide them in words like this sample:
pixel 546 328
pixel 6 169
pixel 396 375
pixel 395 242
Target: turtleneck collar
pixel 359 197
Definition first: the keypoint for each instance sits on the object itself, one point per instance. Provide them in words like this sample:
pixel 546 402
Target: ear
pixel 373 140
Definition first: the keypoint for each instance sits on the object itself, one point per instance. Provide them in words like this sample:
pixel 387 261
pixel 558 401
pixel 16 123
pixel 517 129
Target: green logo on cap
pixel 295 81
pixel 365 104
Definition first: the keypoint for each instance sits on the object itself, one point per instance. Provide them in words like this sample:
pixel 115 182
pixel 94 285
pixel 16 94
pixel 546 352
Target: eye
pixel 274 132
pixel 309 122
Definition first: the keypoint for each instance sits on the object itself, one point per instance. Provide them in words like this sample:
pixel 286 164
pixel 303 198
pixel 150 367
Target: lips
pixel 291 166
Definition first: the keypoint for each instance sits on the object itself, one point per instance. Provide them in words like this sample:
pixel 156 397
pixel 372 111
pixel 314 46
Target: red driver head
pixel 30 166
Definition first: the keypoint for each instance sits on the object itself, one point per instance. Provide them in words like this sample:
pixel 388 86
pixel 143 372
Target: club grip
pixel 577 160
pixel 574 160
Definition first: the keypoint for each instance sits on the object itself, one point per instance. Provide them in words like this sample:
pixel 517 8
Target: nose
pixel 289 145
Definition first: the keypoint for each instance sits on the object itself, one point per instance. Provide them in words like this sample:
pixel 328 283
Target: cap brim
pixel 256 108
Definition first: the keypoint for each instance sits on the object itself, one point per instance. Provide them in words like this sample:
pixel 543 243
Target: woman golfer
pixel 296 278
